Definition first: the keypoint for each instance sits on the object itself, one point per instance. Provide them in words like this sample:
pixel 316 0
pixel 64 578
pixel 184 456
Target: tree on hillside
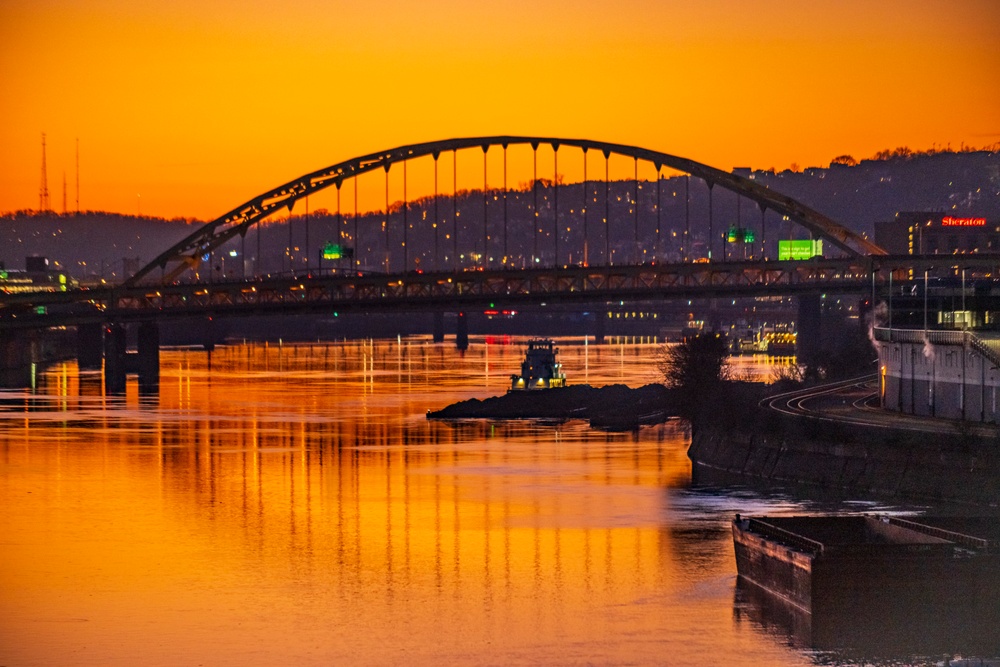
pixel 846 160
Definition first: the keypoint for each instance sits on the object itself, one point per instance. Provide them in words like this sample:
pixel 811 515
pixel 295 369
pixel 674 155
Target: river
pixel 292 505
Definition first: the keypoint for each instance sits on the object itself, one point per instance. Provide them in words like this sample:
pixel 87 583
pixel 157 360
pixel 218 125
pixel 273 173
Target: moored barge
pixel 875 582
pixel 839 557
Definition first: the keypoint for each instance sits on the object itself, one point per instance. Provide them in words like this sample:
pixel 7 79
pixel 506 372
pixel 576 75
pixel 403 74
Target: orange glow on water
pixel 187 108
pixel 295 507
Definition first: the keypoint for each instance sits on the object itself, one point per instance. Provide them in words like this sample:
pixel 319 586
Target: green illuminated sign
pixel 336 251
pixel 800 249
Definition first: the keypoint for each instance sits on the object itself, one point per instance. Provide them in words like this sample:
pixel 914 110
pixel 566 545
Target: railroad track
pixel 820 403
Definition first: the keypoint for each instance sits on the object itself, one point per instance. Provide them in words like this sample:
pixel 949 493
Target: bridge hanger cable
pixel 534 208
pixel 437 217
pixel 586 195
pixel 454 206
pixel 189 252
pixel 555 202
pixel 505 255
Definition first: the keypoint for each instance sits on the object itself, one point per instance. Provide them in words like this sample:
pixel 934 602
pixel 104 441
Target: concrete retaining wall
pixel 953 381
pixel 887 464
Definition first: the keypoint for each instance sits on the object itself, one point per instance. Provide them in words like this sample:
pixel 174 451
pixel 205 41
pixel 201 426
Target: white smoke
pixel 876 317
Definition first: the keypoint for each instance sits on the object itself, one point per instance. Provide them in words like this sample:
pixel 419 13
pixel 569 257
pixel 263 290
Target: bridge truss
pixel 467 290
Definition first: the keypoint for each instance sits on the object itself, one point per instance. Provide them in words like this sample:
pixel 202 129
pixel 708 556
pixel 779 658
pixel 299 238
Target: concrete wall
pixel 891 464
pixel 951 381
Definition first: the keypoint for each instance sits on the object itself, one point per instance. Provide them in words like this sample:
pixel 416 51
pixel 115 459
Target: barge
pixel 877 581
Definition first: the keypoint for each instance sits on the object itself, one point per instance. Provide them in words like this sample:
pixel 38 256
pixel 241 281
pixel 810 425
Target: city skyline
pixel 183 110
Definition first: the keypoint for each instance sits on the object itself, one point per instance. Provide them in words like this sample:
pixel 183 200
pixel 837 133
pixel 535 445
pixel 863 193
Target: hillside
pixel 108 245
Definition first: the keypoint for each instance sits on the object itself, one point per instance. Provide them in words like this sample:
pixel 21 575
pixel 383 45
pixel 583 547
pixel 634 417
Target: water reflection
pixel 877 629
pixel 292 504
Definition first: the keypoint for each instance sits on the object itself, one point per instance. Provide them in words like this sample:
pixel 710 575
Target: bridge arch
pixel 188 252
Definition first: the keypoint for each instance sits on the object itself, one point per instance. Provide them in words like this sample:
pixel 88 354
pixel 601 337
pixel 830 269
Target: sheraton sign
pixel 949 221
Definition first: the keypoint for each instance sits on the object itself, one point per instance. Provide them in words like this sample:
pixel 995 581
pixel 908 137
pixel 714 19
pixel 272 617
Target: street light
pixel 925 303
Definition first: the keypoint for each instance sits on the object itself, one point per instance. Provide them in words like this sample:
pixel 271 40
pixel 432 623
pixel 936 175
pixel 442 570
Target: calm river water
pixel 292 505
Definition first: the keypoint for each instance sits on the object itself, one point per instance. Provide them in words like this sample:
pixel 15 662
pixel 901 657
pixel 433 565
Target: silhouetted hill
pixel 962 183
pixel 94 243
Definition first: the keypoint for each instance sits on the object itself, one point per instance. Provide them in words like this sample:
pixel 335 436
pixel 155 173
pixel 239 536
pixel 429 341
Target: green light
pixel 491 305
pixel 740 235
pixel 332 251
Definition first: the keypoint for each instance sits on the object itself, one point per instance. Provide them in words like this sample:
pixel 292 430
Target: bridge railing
pixel 989 348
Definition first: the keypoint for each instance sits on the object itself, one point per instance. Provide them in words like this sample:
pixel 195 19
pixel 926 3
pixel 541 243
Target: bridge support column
pixel 809 328
pixel 114 359
pixel 599 328
pixel 438 327
pixel 461 332
pixel 148 365
pixel 89 346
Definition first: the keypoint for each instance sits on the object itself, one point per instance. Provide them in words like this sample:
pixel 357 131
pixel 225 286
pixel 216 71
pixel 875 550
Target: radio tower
pixel 43 189
pixel 78 176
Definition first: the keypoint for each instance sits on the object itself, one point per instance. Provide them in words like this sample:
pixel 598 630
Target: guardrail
pixel 933 531
pixel 990 349
pixel 785 536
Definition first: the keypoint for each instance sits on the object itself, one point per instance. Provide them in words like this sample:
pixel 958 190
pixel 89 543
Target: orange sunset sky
pixel 189 107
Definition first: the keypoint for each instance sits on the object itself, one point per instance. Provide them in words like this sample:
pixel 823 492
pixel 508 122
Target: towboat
pixel 539 370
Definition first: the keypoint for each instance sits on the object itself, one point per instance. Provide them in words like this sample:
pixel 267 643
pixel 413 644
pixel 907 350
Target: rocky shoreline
pixel 613 407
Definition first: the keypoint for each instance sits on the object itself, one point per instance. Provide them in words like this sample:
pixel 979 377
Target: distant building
pixel 928 233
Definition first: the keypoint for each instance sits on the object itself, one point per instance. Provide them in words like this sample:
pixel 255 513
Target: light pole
pixel 925 304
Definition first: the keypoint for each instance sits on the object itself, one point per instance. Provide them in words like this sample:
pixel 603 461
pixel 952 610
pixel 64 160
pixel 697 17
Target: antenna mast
pixel 64 192
pixel 78 176
pixel 43 189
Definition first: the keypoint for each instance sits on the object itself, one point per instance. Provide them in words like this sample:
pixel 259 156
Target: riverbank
pixel 853 460
pixel 613 407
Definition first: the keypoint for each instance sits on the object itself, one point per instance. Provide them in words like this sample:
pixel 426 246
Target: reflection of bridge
pixel 657 237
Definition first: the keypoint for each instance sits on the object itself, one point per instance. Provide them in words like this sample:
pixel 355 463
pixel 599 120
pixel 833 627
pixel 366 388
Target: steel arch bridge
pixel 190 252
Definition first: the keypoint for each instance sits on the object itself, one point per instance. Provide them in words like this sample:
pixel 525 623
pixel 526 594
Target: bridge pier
pixel 599 328
pixel 119 362
pixel 461 332
pixel 18 358
pixel 114 359
pixel 438 332
pixel 89 346
pixel 24 354
pixel 809 328
pixel 148 354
